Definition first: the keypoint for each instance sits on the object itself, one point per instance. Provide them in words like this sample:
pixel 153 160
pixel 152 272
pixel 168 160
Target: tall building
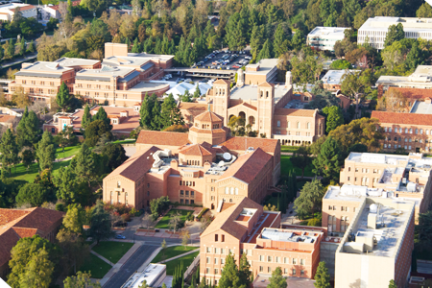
pixel 324 38
pixel 202 167
pixel 374 30
pixel 399 177
pixel 245 229
pixel 377 245
pixel 270 109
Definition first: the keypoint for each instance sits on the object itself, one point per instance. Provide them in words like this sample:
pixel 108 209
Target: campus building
pixel 122 79
pixel 324 38
pixel 244 228
pixel 123 120
pixel 7 11
pixel 332 80
pixel 421 78
pixel 19 223
pixel 377 245
pixel 203 167
pixel 270 109
pixel 400 177
pixel 409 131
pixel 374 30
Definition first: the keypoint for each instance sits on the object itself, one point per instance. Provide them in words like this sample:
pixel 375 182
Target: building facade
pixel 374 30
pixel 324 38
pixel 200 167
pixel 245 228
pixel 419 79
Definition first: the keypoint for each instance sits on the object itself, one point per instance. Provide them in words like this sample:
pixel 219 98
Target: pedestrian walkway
pixel 178 256
pixel 102 258
pixel 164 234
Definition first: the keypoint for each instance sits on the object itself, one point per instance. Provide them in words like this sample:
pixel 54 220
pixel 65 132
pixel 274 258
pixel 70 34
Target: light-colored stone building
pixel 324 38
pixel 200 167
pixel 420 78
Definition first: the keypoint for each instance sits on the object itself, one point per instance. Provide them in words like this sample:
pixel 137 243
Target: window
pixel 261 258
pixel 226 190
pixel 269 258
pixel 344 223
pixel 278 123
pixel 285 271
pixel 302 272
pixel 192 194
pixel 293 271
pixel 236 191
pixel 215 260
pixel 222 250
pixel 294 261
pixel 261 269
pixel 390 129
pixel 277 259
pixel 216 271
pixel 222 261
pixel 222 240
pixel 208 249
pixel 308 126
pixel 302 262
pixel 208 271
pixel 216 237
pixel 208 260
pixel 269 269
pixel 331 223
pixel 181 193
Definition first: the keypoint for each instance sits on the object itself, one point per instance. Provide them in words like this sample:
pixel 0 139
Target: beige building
pixel 270 109
pixel 420 78
pixel 400 177
pixel 377 245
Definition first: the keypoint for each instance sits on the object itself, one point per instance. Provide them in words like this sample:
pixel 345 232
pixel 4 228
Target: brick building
pixel 122 79
pixel 16 224
pixel 200 167
pixel 244 228
pixel 268 108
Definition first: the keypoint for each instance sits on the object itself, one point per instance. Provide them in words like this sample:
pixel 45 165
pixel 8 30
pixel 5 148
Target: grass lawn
pixel 291 149
pixel 172 252
pixel 19 172
pixel 124 141
pixel 97 267
pixel 186 261
pixel 286 166
pixel 68 152
pixel 112 250
pixel 164 222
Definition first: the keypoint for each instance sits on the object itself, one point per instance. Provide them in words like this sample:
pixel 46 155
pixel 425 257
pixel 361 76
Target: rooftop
pixel 70 62
pixel 412 118
pixel 105 72
pixel 421 77
pixel 335 76
pixel 288 235
pixel 380 23
pixel 250 92
pixel 263 280
pixel 151 275
pixel 265 66
pixel 295 104
pixel 144 86
pixel 378 158
pixel 421 107
pixel 328 32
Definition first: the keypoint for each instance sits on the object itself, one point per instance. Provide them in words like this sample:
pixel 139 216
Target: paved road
pixel 131 266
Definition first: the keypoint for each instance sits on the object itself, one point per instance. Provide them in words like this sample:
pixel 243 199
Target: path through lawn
pixel 172 252
pixel 19 172
pixel 97 267
pixel 164 222
pixel 112 250
pixel 185 260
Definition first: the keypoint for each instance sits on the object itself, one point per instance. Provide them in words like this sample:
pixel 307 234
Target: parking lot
pixel 224 60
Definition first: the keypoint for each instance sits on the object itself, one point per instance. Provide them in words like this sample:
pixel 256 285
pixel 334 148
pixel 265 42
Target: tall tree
pixel 277 280
pixel 8 150
pixel 392 284
pixel 100 223
pixel 355 84
pixel 310 199
pixel 266 51
pixel 334 117
pixel 230 274
pixel 38 272
pixel 66 183
pixel 86 118
pixel 146 113
pixel 170 114
pixel 245 273
pixel 32 193
pixel 301 158
pixel 81 280
pixel 102 115
pixel 322 277
pixel 115 155
pixel 329 161
pixel 395 33
pixel 63 97
pixel 85 166
pixel 95 131
pixel 281 43
pixel 45 152
pixel 414 57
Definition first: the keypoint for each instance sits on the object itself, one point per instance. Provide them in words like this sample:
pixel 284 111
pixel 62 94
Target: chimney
pixel 115 49
pixel 288 79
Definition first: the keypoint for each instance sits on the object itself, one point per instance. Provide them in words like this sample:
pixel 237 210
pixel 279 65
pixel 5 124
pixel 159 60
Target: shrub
pixel 314 222
pixel 126 217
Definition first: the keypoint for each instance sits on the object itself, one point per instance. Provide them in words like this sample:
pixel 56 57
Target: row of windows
pixel 186 201
pixel 97 94
pixel 365 170
pixel 186 193
pixel 96 86
pixel 407 130
pixel 406 147
pixel 278 259
pixel 278 124
pixel 399 139
pixel 343 208
pixel 364 180
pixel 222 260
pixel 331 223
pixel 40 83
pixel 231 190
pixel 219 250
pixel 293 271
pixel 187 183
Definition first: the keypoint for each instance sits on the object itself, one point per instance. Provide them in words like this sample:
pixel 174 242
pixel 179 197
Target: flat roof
pixel 105 72
pixel 410 24
pixel 421 107
pixel 335 76
pixel 334 32
pixel 295 104
pixel 68 62
pixel 144 86
pixel 151 275
pixel 284 235
pixel 265 66
pixel 250 92
pixel 45 66
pixel 377 158
pixel 421 76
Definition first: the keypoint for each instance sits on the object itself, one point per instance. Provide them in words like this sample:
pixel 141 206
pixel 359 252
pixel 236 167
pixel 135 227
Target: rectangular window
pixel 261 258
pixel 181 192
pixel 293 272
pixel 269 258
pixel 208 249
pixel 222 261
pixel 222 238
pixel 215 260
pixel 222 250
pixel 302 262
pixel 302 272
pixel 285 260
pixel 285 271
pixel 208 260
pixel 269 269
pixel 294 261
pixel 277 259
pixel 261 269
pixel 207 271
pixel 192 194
pixel 216 236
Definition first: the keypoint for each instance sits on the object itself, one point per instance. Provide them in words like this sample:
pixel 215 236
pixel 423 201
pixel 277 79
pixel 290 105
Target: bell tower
pixel 265 109
pixel 221 96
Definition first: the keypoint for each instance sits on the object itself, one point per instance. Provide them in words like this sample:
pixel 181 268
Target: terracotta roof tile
pixel 226 219
pixel 9 215
pixel 295 112
pixel 243 143
pixel 246 105
pixel 265 84
pixel 414 93
pixel 163 138
pixel 8 240
pixel 208 116
pixel 222 81
pixel 138 164
pixel 6 118
pixel 402 118
pixel 40 218
pixel 25 232
pixel 247 167
pixel 196 150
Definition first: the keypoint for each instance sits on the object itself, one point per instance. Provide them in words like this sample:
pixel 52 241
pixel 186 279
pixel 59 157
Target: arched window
pixel 390 129
pixel 406 139
pixel 410 130
pixel 232 190
pixel 236 191
pixel 118 184
pixel 427 132
pixel 226 190
pixel 261 94
pixel 421 131
pixel 385 129
pixel 267 94
pixel 308 125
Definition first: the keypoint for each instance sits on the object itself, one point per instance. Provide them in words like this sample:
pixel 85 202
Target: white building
pixel 376 29
pixel 421 78
pixel 324 38
pixel 7 11
pixel 154 275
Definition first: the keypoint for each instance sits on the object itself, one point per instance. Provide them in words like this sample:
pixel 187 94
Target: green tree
pixel 356 84
pixel 32 193
pixel 81 280
pixel 281 43
pixel 8 150
pixel 32 262
pixel 45 153
pixel 115 155
pixel 170 114
pixel 28 157
pixel 85 165
pixel 322 277
pixel 31 48
pixel 146 112
pixel 86 118
pixel 103 116
pixel 22 47
pixel 265 52
pixel 245 273
pixel 95 131
pixel 334 117
pixel 63 97
pixel 100 223
pixel 423 233
pixel 277 280
pixel 395 33
pixel 310 199
pixel 66 183
pixel 392 284
pixel 136 46
pixel 425 11
pixel 230 274
pixel 301 158
pixel 156 121
pixel 186 97
pixel 329 161
pixel 414 57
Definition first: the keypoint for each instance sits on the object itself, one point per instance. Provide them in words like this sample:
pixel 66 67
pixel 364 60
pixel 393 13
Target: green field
pixel 164 222
pixel 19 172
pixel 97 267
pixel 185 260
pixel 287 166
pixel 68 152
pixel 124 141
pixel 172 252
pixel 112 250
pixel 290 149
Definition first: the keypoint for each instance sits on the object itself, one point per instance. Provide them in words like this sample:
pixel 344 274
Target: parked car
pixel 248 57
pixel 120 236
pixel 200 63
pixel 236 66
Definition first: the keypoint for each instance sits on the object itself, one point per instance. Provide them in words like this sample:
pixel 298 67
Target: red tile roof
pixel 414 93
pixel 196 150
pixel 265 84
pixel 208 116
pixel 6 118
pixel 402 118
pixel 226 219
pixel 9 215
pixel 243 143
pixel 248 166
pixel 221 81
pixel 247 105
pixel 137 165
pixel 163 138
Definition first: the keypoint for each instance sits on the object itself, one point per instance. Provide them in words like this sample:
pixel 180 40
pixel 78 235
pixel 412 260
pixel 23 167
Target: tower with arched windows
pixel 265 108
pixel 221 93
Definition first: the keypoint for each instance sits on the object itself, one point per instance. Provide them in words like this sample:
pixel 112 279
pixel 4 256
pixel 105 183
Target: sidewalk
pixel 164 234
pixel 178 256
pixel 102 258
